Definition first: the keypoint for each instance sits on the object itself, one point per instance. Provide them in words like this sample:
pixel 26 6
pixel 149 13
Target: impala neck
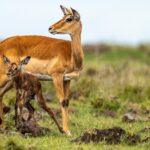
pixel 77 55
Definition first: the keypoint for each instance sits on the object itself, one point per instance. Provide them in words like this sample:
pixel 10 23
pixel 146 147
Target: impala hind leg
pixel 16 111
pixel 60 90
pixel 41 102
pixel 18 108
pixel 3 90
pixel 30 109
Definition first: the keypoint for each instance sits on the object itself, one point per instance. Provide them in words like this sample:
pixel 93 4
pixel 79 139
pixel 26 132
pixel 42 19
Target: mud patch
pixel 114 135
pixel 32 128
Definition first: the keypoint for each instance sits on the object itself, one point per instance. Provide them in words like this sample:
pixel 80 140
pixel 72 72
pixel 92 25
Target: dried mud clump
pixel 111 136
pixel 132 139
pixel 32 128
pixel 114 135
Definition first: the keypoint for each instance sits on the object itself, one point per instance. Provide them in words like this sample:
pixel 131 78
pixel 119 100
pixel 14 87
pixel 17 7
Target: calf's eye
pixel 69 19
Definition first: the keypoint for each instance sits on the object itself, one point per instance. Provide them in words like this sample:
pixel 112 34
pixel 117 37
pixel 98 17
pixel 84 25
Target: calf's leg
pixel 41 102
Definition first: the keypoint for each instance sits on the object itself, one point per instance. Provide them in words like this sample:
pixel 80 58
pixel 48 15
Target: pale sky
pixel 124 21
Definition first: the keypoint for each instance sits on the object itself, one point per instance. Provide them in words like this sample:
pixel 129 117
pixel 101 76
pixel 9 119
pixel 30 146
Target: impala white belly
pixel 40 66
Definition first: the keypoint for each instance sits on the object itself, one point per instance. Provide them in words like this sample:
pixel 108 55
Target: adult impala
pixel 51 58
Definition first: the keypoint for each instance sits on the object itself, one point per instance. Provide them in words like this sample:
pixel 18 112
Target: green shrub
pixel 132 93
pixel 101 104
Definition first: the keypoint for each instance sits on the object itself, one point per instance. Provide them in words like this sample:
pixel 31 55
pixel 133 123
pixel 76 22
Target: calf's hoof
pixel 2 123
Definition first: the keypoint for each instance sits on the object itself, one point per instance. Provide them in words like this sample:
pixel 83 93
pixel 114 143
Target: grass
pixel 119 81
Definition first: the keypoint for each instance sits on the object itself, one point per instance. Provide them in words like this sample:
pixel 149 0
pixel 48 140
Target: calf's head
pixel 13 68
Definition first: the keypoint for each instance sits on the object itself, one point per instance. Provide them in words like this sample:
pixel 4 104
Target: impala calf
pixel 52 58
pixel 27 88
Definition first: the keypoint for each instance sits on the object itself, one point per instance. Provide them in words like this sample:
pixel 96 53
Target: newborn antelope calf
pixel 27 87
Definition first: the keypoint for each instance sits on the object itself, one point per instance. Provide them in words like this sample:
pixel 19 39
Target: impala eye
pixel 69 19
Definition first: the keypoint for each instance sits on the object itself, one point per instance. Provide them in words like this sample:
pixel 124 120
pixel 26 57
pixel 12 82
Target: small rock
pixel 129 117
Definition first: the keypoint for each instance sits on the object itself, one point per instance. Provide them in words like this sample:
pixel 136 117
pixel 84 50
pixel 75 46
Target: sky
pixel 119 21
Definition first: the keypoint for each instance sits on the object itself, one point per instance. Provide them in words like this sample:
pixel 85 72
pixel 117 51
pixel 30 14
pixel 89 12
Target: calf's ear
pixel 25 61
pixel 5 59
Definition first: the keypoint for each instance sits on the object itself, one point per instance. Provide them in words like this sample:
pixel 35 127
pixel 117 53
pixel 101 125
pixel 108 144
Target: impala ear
pixel 5 60
pixel 75 14
pixel 25 61
pixel 65 10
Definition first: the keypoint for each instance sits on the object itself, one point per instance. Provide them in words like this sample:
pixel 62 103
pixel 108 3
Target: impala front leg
pixel 66 85
pixel 59 85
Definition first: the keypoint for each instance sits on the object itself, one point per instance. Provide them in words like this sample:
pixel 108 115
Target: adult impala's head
pixel 13 68
pixel 69 24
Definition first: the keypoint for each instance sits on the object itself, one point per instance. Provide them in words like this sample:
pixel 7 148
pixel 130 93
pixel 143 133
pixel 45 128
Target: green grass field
pixel 115 81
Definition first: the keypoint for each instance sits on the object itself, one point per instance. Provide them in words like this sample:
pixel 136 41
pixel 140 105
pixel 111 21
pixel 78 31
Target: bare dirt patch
pixel 32 128
pixel 114 135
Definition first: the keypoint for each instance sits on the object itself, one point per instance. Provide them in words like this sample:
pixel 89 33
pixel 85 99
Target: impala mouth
pixel 9 75
pixel 52 31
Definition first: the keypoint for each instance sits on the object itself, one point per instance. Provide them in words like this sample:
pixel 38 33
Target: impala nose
pixel 50 28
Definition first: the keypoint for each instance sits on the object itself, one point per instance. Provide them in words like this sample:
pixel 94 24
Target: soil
pixel 32 128
pixel 114 135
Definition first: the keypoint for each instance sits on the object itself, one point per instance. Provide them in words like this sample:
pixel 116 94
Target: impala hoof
pixel 68 133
